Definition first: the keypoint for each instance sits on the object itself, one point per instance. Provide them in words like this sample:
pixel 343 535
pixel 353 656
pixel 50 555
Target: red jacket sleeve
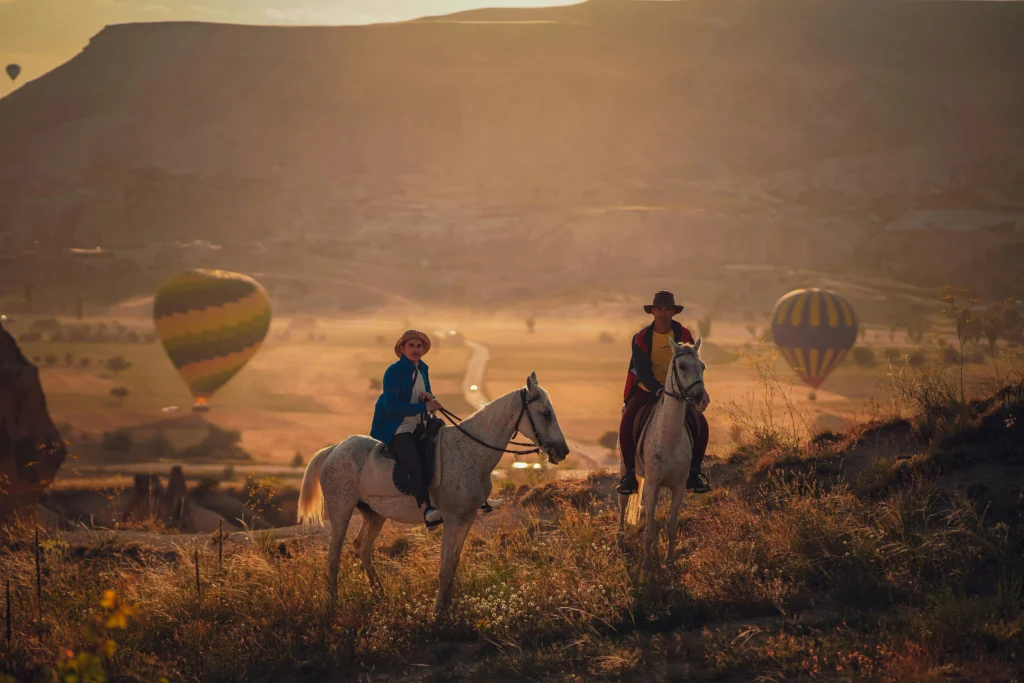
pixel 686 337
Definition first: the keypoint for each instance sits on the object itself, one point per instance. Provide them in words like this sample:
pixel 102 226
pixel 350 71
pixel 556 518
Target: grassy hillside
pixel 892 552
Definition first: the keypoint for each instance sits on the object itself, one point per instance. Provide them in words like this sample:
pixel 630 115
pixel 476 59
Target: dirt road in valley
pixel 591 457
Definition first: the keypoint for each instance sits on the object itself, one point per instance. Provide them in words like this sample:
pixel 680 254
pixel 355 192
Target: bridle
pixel 523 410
pixel 677 381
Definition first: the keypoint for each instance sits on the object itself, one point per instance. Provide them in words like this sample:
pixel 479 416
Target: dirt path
pixel 475 395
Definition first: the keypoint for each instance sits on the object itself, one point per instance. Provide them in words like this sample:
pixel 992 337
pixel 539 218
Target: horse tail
pixel 311 496
pixel 635 502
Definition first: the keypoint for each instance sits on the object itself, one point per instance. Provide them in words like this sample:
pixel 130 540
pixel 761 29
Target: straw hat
pixel 412 334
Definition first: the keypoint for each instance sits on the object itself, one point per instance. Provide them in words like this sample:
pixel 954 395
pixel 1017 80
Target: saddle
pixel 384 475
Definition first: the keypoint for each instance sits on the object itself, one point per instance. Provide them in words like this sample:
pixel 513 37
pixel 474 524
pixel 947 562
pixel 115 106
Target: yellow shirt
pixel 661 356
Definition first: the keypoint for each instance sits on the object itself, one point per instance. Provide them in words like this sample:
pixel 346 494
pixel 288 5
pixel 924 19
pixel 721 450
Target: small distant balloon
pixel 13 70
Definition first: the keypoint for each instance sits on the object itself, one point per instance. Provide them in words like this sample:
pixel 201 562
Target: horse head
pixel 542 423
pixel 686 374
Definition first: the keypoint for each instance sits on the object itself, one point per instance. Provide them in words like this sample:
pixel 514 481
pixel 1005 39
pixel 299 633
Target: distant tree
pixel 117 364
pixel 118 441
pixel 120 393
pixel 530 323
pixel 79 309
pixel 69 359
pixel 917 327
pixel 704 326
pixel 50 359
pixel 605 337
pixel 298 460
pixel 375 384
pixel 36 359
pixel 864 356
pixel 159 446
pixel 84 362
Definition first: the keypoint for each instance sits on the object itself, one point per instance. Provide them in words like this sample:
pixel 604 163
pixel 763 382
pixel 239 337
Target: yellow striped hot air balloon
pixel 211 322
pixel 814 329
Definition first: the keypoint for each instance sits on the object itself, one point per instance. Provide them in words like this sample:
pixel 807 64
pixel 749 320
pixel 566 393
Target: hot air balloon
pixel 13 70
pixel 211 322
pixel 814 329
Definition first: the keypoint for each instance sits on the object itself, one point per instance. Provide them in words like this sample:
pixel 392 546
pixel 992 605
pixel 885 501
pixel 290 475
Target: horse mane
pixel 498 412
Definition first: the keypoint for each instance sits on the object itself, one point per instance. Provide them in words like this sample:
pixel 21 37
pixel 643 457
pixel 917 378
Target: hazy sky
pixel 41 34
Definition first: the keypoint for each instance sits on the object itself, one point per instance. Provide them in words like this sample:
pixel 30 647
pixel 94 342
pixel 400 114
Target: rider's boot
pixel 628 485
pixel 697 482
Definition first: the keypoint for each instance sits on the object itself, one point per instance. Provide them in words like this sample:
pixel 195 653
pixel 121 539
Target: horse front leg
pixel 650 496
pixel 451 549
pixel 678 493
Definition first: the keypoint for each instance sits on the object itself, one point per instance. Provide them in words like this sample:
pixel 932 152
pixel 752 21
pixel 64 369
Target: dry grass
pixel 801 581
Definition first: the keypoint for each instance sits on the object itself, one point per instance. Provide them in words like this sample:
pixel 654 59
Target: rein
pixel 685 398
pixel 455 419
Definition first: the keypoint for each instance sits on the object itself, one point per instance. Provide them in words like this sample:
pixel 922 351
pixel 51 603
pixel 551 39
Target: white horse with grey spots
pixel 665 448
pixel 346 477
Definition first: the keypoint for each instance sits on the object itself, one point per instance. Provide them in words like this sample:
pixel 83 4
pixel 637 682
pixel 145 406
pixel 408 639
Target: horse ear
pixel 675 346
pixel 696 345
pixel 531 383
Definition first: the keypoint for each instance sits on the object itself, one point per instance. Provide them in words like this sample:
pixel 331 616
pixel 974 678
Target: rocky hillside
pixel 805 123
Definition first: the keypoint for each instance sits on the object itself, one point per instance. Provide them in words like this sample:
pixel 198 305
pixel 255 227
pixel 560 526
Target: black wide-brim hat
pixel 663 298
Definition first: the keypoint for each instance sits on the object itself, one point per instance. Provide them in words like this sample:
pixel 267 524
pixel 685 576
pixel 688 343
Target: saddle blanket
pixel 379 475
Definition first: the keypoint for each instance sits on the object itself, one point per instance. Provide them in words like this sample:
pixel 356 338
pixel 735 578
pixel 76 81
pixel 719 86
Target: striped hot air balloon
pixel 211 322
pixel 814 329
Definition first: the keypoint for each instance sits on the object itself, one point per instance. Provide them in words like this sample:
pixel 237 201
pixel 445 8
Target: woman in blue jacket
pixel 403 405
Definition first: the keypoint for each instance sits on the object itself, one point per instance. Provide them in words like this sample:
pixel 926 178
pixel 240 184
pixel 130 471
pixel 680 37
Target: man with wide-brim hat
pixel 650 362
pixel 404 404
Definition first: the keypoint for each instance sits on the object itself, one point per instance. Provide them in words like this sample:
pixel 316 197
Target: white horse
pixel 353 475
pixel 665 448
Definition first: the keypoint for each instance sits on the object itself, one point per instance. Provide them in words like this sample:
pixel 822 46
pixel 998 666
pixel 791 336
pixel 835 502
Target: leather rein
pixel 455 419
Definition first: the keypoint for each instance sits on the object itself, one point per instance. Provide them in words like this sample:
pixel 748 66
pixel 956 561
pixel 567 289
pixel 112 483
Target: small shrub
pixel 864 356
pixel 609 439
pixel 120 393
pixel 117 365
pixel 298 460
pixel 117 441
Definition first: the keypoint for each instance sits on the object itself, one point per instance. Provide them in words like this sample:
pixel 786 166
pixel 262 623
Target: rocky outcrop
pixel 31 448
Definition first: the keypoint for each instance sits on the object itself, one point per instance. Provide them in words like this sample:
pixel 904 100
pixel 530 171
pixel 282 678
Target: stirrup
pixel 492 504
pixel 432 517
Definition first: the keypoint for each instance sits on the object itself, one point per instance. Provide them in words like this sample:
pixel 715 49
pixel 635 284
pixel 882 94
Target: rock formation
pixel 31 448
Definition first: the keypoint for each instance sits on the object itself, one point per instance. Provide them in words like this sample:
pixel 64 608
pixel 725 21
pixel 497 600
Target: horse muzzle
pixel 556 453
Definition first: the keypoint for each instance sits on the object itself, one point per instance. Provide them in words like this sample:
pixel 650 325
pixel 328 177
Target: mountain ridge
pixel 715 116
